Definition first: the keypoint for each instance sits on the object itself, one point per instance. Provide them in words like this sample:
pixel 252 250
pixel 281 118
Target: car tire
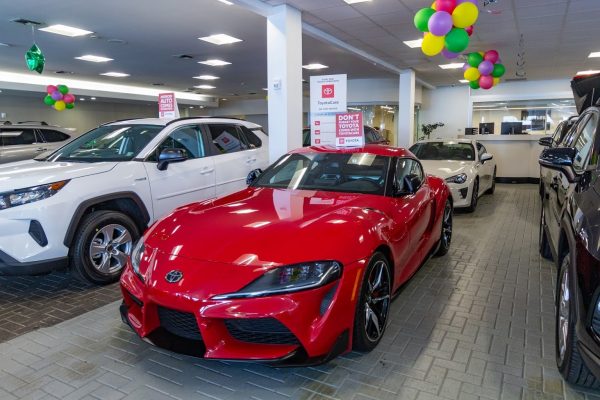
pixel 373 304
pixel 492 189
pixel 568 359
pixel 474 196
pixel 104 241
pixel 544 245
pixel 446 235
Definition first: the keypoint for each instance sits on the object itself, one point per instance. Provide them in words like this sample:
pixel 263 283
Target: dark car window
pixel 186 138
pixel 583 143
pixel 16 136
pixel 574 132
pixel 372 135
pixel 408 173
pixel 251 137
pixel 444 151
pixel 52 136
pixel 226 139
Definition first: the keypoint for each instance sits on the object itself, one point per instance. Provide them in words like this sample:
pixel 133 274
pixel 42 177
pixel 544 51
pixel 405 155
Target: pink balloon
pixel 445 5
pixel 486 82
pixel 440 23
pixel 449 55
pixel 486 67
pixel 491 56
pixel 68 98
pixel 469 30
pixel 51 89
pixel 56 95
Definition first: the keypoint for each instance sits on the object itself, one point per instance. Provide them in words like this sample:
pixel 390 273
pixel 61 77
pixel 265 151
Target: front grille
pixel 260 330
pixel 179 323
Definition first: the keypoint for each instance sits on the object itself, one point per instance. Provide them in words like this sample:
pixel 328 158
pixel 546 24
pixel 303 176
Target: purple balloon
pixel 486 67
pixel 440 23
pixel 56 95
pixel 466 1
pixel 466 67
pixel 448 54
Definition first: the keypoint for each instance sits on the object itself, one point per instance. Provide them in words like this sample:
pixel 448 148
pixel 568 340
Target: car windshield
pixel 335 172
pixel 108 143
pixel 444 151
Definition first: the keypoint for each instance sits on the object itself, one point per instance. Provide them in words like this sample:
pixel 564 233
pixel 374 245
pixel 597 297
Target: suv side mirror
pixel 253 176
pixel 170 155
pixel 486 157
pixel 546 141
pixel 560 159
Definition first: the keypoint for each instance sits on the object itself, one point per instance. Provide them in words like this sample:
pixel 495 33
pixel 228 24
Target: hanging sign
pixel 349 130
pixel 328 96
pixel 167 106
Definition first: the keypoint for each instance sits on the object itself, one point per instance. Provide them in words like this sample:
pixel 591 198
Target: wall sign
pixel 328 96
pixel 167 106
pixel 349 130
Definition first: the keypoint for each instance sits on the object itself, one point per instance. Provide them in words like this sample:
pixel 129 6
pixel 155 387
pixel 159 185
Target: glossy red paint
pixel 221 246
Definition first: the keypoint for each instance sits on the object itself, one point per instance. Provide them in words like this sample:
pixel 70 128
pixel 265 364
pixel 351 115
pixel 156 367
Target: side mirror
pixel 168 156
pixel 546 141
pixel 253 176
pixel 486 157
pixel 560 159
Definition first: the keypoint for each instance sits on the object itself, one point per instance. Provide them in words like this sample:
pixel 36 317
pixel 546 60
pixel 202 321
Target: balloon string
pixel 33 33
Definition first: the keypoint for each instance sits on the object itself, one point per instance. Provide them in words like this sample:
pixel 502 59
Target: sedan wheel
pixel 474 196
pixel 446 235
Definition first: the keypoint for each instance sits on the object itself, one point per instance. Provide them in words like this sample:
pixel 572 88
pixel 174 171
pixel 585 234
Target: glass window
pixel 53 136
pixel 481 150
pixel 444 151
pixel 583 143
pixel 187 138
pixel 575 131
pixel 226 139
pixel 409 175
pixel 15 137
pixel 251 137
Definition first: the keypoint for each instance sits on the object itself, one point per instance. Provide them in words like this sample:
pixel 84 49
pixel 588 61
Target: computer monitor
pixel 471 131
pixel 511 128
pixel 486 128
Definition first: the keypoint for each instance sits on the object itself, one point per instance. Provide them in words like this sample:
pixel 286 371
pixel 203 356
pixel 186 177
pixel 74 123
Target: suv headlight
pixel 136 257
pixel 460 178
pixel 30 195
pixel 289 278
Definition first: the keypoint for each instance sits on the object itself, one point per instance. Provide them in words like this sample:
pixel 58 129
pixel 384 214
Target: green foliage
pixel 427 129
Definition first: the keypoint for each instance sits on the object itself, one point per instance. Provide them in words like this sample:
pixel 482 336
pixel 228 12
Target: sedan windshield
pixel 439 151
pixel 108 143
pixel 335 172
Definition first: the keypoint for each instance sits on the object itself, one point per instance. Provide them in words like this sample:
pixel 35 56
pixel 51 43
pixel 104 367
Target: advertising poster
pixel 328 97
pixel 349 130
pixel 167 106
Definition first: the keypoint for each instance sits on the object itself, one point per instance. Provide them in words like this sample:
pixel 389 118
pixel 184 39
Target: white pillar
pixel 284 71
pixel 406 109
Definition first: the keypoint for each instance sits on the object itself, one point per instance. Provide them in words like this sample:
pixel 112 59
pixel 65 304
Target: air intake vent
pixel 25 21
pixel 184 56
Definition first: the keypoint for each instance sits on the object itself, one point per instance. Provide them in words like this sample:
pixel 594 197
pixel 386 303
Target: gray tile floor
pixel 475 324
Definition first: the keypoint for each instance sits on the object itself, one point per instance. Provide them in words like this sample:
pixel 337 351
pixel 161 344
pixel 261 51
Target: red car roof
pixel 377 149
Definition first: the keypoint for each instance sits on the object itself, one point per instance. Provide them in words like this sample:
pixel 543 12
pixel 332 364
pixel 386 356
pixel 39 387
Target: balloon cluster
pixel 447 25
pixel 59 97
pixel 484 70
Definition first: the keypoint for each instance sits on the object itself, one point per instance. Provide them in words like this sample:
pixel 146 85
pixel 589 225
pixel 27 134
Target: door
pixel 184 182
pixel 18 144
pixel 486 170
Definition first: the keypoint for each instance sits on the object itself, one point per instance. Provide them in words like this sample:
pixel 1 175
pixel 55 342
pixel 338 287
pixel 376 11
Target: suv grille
pixel 260 330
pixel 179 323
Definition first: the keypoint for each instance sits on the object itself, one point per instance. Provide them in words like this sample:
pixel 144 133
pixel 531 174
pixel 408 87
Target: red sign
pixel 167 106
pixel 349 130
pixel 328 91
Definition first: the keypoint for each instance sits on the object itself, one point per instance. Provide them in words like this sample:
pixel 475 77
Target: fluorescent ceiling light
pixel 220 39
pixel 92 58
pixel 464 81
pixel 452 66
pixel 65 30
pixel 206 77
pixel 226 2
pixel 214 63
pixel 265 89
pixel 315 66
pixel 588 72
pixel 355 1
pixel 115 74
pixel 92 98
pixel 204 87
pixel 595 54
pixel 413 44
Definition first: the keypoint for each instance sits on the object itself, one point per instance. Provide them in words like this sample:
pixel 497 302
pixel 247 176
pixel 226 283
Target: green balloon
pixel 63 89
pixel 422 19
pixel 457 40
pixel 49 101
pixel 474 59
pixel 474 84
pixel 499 70
pixel 70 106
pixel 35 59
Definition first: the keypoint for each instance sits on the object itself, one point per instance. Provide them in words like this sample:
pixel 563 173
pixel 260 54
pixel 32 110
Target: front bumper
pixel 461 194
pixel 302 328
pixel 10 266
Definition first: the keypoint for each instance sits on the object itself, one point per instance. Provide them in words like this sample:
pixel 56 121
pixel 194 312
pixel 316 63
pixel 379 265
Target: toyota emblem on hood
pixel 174 276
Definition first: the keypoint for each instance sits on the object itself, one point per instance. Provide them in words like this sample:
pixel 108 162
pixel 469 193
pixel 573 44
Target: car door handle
pixel 250 160
pixel 206 171
pixel 41 149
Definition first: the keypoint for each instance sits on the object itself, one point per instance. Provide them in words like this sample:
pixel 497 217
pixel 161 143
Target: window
pixel 409 175
pixel 15 137
pixel 575 131
pixel 187 138
pixel 251 137
pixel 444 151
pixel 226 139
pixel 481 150
pixel 53 136
pixel 583 143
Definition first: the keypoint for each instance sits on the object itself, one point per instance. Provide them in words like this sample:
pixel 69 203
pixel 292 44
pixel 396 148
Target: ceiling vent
pixel 515 79
pixel 184 56
pixel 25 21
pixel 64 72
pixel 158 84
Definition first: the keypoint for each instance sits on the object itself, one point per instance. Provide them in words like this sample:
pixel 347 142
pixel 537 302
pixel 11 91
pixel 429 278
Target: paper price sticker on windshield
pixel 349 130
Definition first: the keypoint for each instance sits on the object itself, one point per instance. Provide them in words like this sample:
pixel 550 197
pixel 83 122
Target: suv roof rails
pixel 119 120
pixel 205 117
pixel 33 122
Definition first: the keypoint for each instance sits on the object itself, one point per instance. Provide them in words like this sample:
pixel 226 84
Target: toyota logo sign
pixel 174 276
pixel 328 91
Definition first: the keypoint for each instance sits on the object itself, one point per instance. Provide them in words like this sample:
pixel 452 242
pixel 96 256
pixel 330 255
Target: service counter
pixel 516 156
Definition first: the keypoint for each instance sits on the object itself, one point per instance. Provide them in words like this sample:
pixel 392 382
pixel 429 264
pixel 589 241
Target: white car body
pixel 156 192
pixel 476 170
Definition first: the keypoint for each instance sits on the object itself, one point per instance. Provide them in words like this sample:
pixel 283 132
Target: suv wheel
pixel 103 242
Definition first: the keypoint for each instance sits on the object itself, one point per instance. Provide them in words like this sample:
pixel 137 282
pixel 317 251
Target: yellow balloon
pixel 432 45
pixel 482 53
pixel 60 105
pixel 496 81
pixel 472 74
pixel 433 6
pixel 465 15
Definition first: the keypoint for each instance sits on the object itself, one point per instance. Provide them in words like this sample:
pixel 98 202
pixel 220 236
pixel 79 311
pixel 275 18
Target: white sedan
pixel 469 170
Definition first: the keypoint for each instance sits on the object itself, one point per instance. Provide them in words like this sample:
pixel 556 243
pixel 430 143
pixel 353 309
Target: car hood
pixel 263 226
pixel 446 168
pixel 24 174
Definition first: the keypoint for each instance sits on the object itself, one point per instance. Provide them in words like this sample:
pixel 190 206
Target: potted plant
pixel 427 129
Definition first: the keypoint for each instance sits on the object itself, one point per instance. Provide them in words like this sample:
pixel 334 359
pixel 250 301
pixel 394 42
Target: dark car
pixel 570 235
pixel 372 136
pixel 559 133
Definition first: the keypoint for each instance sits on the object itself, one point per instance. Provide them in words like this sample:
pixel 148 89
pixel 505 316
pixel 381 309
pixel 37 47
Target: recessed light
pixel 595 54
pixel 223 99
pixel 92 58
pixel 214 63
pixel 191 107
pixel 315 66
pixel 225 2
pixel 205 87
pixel 220 39
pixel 413 44
pixel 464 81
pixel 206 77
pixel 452 66
pixel 82 99
pixel 115 74
pixel 589 72
pixel 65 30
pixel 355 1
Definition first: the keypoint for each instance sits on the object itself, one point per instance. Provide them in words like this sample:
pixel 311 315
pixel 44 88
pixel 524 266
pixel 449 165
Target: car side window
pixel 251 138
pixel 51 136
pixel 187 138
pixel 583 143
pixel 226 139
pixel 409 175
pixel 573 134
pixel 15 137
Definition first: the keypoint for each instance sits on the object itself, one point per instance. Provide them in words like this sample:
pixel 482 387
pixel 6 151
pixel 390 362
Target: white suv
pixel 86 204
pixel 26 140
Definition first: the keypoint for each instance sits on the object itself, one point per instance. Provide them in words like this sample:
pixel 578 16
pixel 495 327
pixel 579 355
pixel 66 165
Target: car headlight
pixel 136 257
pixel 289 278
pixel 30 195
pixel 460 178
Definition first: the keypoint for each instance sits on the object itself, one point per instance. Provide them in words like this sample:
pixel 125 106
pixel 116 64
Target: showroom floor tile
pixel 476 324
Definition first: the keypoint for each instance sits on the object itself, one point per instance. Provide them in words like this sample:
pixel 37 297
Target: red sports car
pixel 299 267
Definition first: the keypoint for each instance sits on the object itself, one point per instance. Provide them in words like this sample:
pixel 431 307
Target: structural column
pixel 284 70
pixel 406 109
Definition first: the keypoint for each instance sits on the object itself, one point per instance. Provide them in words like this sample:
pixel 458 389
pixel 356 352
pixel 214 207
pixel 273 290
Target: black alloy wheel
pixel 446 236
pixel 474 196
